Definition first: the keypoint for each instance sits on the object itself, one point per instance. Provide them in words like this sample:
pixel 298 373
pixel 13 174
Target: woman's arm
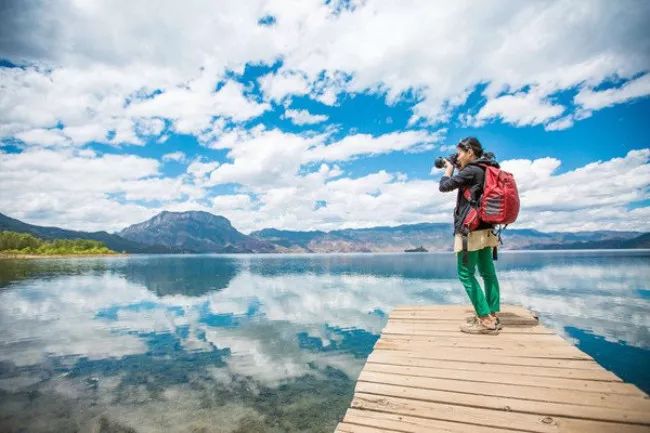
pixel 450 183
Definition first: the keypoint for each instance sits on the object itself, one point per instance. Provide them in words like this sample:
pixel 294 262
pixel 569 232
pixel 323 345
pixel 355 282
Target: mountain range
pixel 203 232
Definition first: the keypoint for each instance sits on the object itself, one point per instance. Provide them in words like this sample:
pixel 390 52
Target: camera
pixel 440 161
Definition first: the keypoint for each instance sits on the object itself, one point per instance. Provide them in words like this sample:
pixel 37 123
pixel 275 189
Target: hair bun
pixel 473 143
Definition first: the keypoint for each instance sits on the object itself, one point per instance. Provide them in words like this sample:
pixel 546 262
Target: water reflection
pixel 189 276
pixel 263 343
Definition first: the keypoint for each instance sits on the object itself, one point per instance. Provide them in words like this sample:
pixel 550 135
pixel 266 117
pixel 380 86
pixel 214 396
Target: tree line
pixel 25 243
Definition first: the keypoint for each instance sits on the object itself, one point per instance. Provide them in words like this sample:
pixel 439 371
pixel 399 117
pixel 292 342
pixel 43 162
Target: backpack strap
pixel 464 238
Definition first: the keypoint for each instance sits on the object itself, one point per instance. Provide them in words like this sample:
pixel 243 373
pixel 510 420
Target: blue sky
pixel 315 115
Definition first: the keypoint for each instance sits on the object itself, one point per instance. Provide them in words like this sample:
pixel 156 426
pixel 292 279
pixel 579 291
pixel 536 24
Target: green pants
pixel 487 303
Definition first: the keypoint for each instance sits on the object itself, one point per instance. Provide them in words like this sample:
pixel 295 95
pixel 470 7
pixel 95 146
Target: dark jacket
pixel 471 176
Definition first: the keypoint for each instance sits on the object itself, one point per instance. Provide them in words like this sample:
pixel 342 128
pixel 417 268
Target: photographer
pixel 473 247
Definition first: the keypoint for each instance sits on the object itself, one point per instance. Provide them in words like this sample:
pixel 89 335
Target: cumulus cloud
pixel 232 201
pixel 593 197
pixel 83 190
pixel 595 100
pixel 364 144
pixel 90 71
pixel 520 109
pixel 193 107
pixel 175 156
pixel 286 83
pixel 304 117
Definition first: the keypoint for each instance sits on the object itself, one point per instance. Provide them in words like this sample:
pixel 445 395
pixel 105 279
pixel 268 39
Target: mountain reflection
pixel 185 275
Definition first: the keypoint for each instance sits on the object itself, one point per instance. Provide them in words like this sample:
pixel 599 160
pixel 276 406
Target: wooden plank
pixel 502 377
pixel 507 320
pixel 461 336
pixel 345 427
pixel 505 311
pixel 489 417
pixel 516 343
pixel 456 313
pixel 558 352
pixel 456 307
pixel 526 388
pixel 535 371
pixel 497 359
pixel 459 312
pixel 602 394
pixel 407 328
pixel 514 404
pixel 413 424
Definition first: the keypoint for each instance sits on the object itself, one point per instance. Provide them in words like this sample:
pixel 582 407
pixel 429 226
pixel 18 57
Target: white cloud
pixel 364 144
pixel 79 190
pixel 149 126
pixel 45 137
pixel 595 100
pixel 520 109
pixel 380 47
pixel 559 124
pixel 175 156
pixel 280 85
pixel 260 157
pixel 84 190
pixel 593 197
pixel 304 117
pixel 263 158
pixel 193 106
pixel 232 202
pixel 90 67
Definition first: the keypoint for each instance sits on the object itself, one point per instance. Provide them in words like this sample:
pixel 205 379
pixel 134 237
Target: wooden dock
pixel 424 375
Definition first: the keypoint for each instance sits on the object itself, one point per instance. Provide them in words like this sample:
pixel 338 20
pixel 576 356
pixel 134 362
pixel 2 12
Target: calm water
pixel 264 343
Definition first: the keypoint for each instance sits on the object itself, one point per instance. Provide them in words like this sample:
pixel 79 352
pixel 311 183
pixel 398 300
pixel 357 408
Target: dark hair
pixel 473 143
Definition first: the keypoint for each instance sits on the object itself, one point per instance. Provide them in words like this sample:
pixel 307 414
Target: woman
pixel 480 242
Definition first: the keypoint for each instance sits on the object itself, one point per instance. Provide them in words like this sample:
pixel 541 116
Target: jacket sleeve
pixel 464 177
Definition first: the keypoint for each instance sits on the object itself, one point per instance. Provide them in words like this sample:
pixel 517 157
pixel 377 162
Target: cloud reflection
pixel 143 331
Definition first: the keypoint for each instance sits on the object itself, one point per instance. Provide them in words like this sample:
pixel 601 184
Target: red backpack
pixel 499 203
pixel 500 199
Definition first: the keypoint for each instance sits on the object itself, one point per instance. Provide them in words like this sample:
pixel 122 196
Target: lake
pixel 265 343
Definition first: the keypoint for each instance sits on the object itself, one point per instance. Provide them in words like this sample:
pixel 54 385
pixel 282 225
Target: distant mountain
pixel 195 231
pixel 434 237
pixel 203 232
pixel 642 241
pixel 374 239
pixel 112 241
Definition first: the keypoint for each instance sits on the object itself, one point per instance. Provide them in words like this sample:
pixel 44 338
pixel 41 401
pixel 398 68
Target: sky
pixel 321 115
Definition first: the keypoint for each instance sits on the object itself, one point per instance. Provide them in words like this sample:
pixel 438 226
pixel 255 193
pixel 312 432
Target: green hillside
pixel 25 243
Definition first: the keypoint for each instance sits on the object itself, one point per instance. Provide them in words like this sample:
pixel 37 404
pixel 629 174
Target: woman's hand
pixel 449 168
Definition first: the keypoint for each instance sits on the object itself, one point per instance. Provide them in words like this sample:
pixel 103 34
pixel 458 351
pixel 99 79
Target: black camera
pixel 440 161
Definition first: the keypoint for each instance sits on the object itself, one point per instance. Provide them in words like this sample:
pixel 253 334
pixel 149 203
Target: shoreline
pixel 276 254
pixel 59 256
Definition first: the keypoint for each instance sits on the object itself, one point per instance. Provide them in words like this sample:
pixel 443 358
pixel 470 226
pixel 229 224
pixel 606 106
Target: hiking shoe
pixel 478 328
pixel 474 319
